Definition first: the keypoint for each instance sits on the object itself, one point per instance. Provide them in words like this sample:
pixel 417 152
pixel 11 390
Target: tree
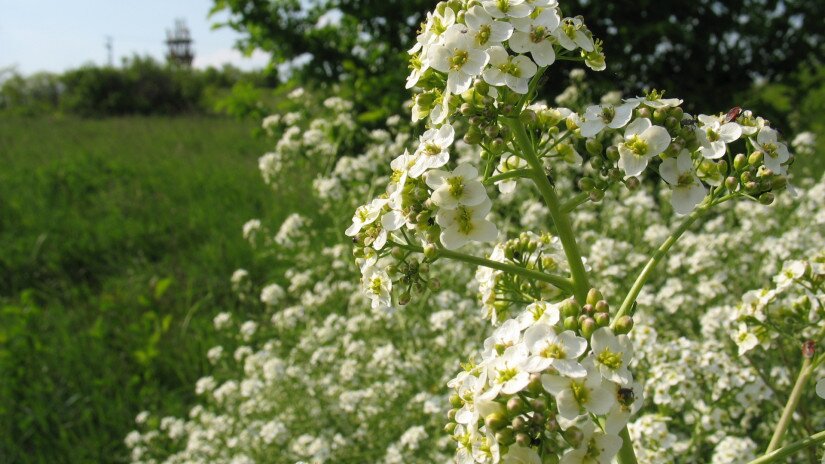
pixel 703 50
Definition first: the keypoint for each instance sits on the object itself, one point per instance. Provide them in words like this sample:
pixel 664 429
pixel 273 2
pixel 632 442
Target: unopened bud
pixel 766 198
pixel 397 252
pixel 519 424
pixel 623 325
pixel 450 428
pixel 740 161
pixel 456 401
pixel 539 404
pixel 571 323
pixel 451 414
pixel 602 306
pixel 594 147
pixel 569 307
pixel 756 158
pixel 495 421
pixel 586 184
pixel 602 319
pixel 467 109
pixel 430 252
pixel 632 183
pixel 588 326
pixel 596 196
pixel 404 298
pixel 809 349
pixel 643 112
pixel 522 439
pixel 506 437
pixel 612 153
pixel 528 117
pixel 593 296
pixel 473 136
pixel 535 383
pixel 481 86
pixel 731 183
pixel 573 436
pixel 434 284
pixel 516 406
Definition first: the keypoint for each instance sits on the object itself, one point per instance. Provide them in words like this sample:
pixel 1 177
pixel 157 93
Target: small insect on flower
pixel 733 114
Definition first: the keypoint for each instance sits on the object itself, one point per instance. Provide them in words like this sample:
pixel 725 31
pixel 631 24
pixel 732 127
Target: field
pixel 118 237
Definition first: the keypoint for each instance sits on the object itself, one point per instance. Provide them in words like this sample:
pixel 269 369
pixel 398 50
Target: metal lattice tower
pixel 179 42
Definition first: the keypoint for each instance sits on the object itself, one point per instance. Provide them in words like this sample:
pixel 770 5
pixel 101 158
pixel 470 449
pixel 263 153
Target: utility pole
pixel 109 48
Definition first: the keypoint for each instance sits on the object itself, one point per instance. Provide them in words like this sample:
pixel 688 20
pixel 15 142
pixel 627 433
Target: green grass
pixel 117 240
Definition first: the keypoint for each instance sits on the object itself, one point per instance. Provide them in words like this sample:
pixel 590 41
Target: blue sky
pixel 55 35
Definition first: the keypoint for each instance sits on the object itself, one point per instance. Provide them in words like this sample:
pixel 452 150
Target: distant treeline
pixel 141 86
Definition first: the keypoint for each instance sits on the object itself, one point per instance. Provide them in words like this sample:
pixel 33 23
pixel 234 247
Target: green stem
pixel 560 218
pixel 630 299
pixel 560 282
pixel 626 454
pixel 787 413
pixel 782 453
pixel 575 202
pixel 516 173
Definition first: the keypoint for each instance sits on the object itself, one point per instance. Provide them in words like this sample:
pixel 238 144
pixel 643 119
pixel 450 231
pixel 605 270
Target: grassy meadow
pixel 117 241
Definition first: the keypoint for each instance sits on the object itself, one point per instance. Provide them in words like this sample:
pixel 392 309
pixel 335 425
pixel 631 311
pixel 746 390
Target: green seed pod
pixel 623 325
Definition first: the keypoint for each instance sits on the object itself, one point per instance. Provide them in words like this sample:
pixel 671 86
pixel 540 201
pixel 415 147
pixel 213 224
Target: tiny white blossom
pixel 513 71
pixel 459 58
pixel 597 117
pixel 533 35
pixel 573 396
pixel 745 339
pixel 714 136
pixel 612 354
pixel 433 149
pixel 642 141
pixel 365 215
pixel 560 351
pixel 688 190
pixel 466 223
pixel 504 8
pixel 459 187
pixel 775 151
pixel 571 36
pixel 378 287
pixel 485 30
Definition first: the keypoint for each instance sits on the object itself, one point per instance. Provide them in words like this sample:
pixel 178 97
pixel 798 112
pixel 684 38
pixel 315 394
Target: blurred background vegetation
pixel 124 189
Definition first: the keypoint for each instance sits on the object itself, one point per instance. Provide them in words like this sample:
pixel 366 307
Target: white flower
pixel 466 223
pixel 597 117
pixel 484 29
pixel 459 58
pixel 560 351
pixel 513 71
pixel 222 321
pixel 688 190
pixel 745 339
pixel 571 36
pixel 642 141
pixel 540 312
pixel 272 294
pixel 654 100
pixel 596 447
pixel 509 162
pixel 533 35
pixel 714 136
pixel 435 26
pixel 460 187
pixel 378 287
pixel 775 152
pixel 820 388
pixel 365 215
pixel 573 396
pixel 504 8
pixel 508 373
pixel 791 271
pixel 629 399
pixel 432 149
pixel 521 455
pixel 612 354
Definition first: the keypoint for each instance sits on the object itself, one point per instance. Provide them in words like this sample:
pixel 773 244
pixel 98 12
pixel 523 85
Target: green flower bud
pixel 497 145
pixel 588 326
pixel 602 306
pixel 491 131
pixel 528 117
pixel 594 147
pixel 586 184
pixel 602 319
pixel 451 414
pixel 467 109
pixel 507 110
pixel 519 424
pixel 516 406
pixel 404 298
pixel 456 401
pixel 588 309
pixel 522 439
pixel 506 437
pixel 481 86
pixel 573 436
pixel 659 115
pixel 571 323
pixel 397 252
pixel 593 296
pixel 779 182
pixel 766 198
pixel 495 421
pixel 596 196
pixel 430 252
pixel 539 405
pixel 623 325
pixel 596 162
pixel 643 112
pixel 450 428
pixel 731 183
pixel 473 136
pixel 569 308
pixel 756 158
pixel 751 186
pixel 434 284
pixel 612 153
pixel 632 183
pixel 535 383
pixel 740 161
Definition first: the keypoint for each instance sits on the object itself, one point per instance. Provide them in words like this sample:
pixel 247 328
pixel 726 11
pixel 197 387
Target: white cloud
pixel 218 58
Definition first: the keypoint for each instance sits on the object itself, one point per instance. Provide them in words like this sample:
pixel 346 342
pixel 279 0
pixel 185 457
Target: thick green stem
pixel 560 282
pixel 564 229
pixel 575 202
pixel 782 453
pixel 514 174
pixel 657 257
pixel 787 413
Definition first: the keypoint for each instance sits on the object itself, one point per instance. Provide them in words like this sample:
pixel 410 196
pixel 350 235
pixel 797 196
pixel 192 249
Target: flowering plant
pixel 554 382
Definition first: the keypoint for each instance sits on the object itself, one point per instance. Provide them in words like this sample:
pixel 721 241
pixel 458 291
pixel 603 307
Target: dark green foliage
pixel 118 238
pixel 705 51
